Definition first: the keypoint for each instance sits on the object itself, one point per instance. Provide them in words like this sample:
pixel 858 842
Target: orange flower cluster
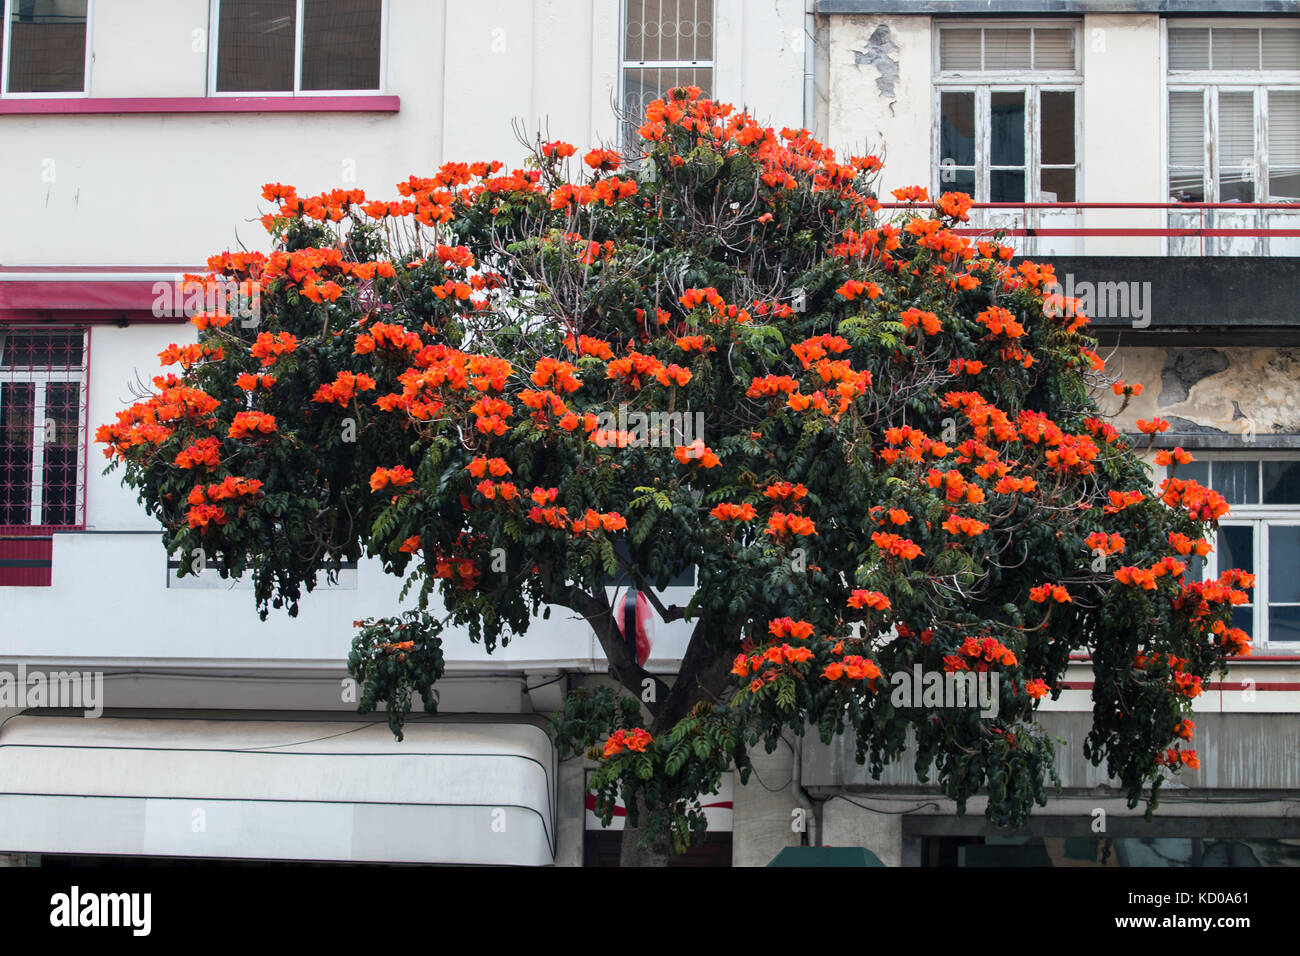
pixel 1124 388
pixel 999 321
pixel 595 521
pixel 853 288
pixel 955 486
pixel 188 355
pixel 554 517
pixel 636 741
pixel 396 477
pixel 491 490
pixel 692 298
pixel 1201 503
pixel 1185 545
pixel 872 600
pixel 818 347
pixel 965 367
pixel 1037 688
pixel 911 194
pixel 1040 594
pixel 144 423
pixel 781 524
pixel 1007 485
pixel 1106 544
pixel 586 345
pixel 1104 430
pixel 696 451
pixel 917 444
pixel 204 453
pixel 491 415
pixel 204 510
pixel 388 337
pixel 928 321
pixel 726 511
pixel 1167 458
pixel 987 651
pixel 269 348
pixel 245 424
pixel 482 465
pixel 967 526
pixel 983 416
pixel 1119 500
pixel 954 205
pixel 1153 426
pixel 899 547
pixel 784 490
pixel 1176 757
pixel 854 667
pixel 344 388
pixel 249 382
pixel 770 386
pixel 786 627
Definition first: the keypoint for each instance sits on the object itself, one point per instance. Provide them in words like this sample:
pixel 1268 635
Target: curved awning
pixel 278 789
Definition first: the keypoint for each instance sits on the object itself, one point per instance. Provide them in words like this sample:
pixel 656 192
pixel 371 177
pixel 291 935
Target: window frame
pixel 1210 83
pixel 40 377
pixel 214 34
pixel 1259 518
pixel 624 64
pixel 984 83
pixel 6 8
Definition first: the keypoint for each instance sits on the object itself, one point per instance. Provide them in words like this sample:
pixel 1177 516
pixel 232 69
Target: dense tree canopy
pixel 874 439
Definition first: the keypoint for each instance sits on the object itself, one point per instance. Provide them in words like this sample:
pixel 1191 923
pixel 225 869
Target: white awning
pixel 278 789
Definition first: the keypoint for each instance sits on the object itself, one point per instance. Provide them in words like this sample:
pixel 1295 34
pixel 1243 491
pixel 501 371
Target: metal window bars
pixel 43 429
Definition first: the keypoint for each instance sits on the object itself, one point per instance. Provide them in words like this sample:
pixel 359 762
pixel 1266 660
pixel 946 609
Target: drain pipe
pixel 812 832
pixel 809 65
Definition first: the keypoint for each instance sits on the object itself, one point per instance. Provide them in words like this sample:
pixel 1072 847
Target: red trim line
pixel 1213 685
pixel 199 104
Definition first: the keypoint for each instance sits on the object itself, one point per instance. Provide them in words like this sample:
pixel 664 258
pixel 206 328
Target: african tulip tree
pixel 901 464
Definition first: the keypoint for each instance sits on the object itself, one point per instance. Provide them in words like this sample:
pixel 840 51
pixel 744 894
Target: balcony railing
pixel 1138 228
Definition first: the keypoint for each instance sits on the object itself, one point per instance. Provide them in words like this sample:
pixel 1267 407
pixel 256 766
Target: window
pixel 666 43
pixel 1260 535
pixel 298 46
pixel 42 429
pixel 1007 114
pixel 1234 113
pixel 43 48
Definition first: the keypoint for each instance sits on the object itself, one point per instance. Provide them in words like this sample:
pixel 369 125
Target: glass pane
pixel 1284 142
pixel 1007 185
pixel 17 430
pixel 1007 129
pixel 340 44
pixel 59 470
pixel 643 85
pixel 1056 132
pixel 1282 484
pixel 1238 481
pixel 1195 567
pixel 1243 616
pixel 1053 49
pixel 255 46
pixel 1236 147
pixel 1281 49
pixel 1057 185
pixel 1006 49
pixel 954 180
pixel 1189 49
pixel 1197 471
pixel 1236 548
pixel 47 46
pixel 1232 49
pixel 1283 624
pixel 957 129
pixel 41 350
pixel 1186 128
pixel 670 30
pixel 1284 563
pixel 959 49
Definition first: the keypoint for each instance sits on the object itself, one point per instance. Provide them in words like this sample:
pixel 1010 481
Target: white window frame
pixel 214 32
pixel 1210 83
pixel 984 83
pixel 625 64
pixel 1260 517
pixel 40 378
pixel 6 7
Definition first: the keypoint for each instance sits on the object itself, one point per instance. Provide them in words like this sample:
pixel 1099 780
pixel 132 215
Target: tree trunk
pixel 656 853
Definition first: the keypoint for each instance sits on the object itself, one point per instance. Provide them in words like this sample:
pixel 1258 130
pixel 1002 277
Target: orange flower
pixel 1153 426
pixel 410 545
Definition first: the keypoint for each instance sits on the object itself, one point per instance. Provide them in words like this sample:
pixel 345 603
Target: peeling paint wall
pixel 879 93
pixel 1211 391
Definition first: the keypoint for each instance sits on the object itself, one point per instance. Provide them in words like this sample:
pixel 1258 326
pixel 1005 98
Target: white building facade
pixel 135 136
